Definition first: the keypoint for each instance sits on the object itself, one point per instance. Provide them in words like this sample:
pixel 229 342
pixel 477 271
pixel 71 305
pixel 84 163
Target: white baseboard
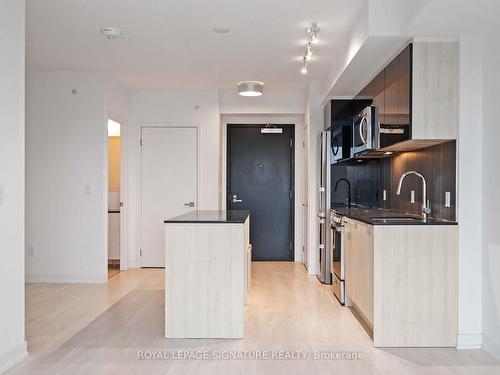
pixel 13 356
pixel 132 263
pixel 469 341
pixel 491 346
pixel 66 279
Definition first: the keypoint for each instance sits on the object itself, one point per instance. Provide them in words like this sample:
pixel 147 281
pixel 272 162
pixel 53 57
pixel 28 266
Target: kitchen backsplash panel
pixel 369 179
pixel 365 183
pixel 437 164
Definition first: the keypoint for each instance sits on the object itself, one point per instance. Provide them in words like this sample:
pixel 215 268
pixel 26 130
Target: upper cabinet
pixel 435 90
pixel 419 90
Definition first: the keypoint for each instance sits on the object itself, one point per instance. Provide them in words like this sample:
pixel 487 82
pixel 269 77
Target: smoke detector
pixel 111 32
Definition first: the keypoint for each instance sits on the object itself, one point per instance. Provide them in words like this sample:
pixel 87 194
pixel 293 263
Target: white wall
pixel 469 194
pixel 175 108
pixel 65 177
pixel 490 197
pixel 270 103
pixel 315 121
pixel 12 337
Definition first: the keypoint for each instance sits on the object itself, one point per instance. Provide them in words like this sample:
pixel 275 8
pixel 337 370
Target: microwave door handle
pixel 363 120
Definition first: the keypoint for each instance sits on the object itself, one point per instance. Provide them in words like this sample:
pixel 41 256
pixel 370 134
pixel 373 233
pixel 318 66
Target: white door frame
pixel 178 125
pixel 123 190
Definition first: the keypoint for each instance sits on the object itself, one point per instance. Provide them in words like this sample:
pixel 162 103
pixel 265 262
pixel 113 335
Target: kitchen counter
pixel 382 216
pixel 211 216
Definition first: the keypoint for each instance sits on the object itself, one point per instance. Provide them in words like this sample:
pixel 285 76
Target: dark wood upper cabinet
pixel 390 90
pixel 404 96
pixel 375 91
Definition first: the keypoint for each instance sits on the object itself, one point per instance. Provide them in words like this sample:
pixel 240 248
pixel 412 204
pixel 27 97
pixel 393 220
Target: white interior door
pixel 169 185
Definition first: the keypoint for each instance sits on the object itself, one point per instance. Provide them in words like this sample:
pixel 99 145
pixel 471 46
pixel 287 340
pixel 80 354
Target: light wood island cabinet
pixel 206 274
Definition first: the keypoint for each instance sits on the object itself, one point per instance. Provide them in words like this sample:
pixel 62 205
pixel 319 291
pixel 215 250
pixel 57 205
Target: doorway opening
pixel 260 179
pixel 114 200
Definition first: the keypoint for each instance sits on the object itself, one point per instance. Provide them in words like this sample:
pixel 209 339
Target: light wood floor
pixel 112 271
pixel 98 329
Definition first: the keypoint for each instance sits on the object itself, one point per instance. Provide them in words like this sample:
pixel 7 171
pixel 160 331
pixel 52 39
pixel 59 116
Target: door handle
pixel 236 200
pixel 189 204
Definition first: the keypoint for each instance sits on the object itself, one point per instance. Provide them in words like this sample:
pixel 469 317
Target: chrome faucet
pixel 426 210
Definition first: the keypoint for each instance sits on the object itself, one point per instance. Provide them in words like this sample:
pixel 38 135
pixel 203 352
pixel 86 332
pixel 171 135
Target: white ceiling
pixel 171 43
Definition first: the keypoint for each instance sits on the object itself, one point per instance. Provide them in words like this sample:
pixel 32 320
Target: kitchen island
pixel 206 274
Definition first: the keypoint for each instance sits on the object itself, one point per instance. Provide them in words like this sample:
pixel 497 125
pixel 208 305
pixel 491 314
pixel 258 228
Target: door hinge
pixel 140 252
pixel 291 142
pixel 290 245
pixel 140 141
pixel 291 194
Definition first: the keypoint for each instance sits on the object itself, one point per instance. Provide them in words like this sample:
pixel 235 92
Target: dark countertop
pixel 202 216
pixel 113 211
pixel 386 216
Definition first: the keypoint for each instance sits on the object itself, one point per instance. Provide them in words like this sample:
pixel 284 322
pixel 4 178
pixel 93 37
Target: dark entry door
pixel 260 179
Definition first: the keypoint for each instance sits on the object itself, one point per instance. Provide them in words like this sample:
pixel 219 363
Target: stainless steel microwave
pixel 370 137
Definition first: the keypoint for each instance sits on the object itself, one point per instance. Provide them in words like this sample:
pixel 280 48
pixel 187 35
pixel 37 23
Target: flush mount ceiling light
pixel 111 32
pixel 312 37
pixel 250 88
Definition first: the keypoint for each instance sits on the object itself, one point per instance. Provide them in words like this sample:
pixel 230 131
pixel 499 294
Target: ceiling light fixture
pixel 304 66
pixel 312 37
pixel 309 52
pixel 111 32
pixel 250 88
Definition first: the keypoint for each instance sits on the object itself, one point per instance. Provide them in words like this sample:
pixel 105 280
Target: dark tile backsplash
pixel 365 183
pixel 437 164
pixel 368 180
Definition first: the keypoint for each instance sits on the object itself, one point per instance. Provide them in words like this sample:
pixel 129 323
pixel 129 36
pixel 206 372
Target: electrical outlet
pixel 447 199
pixel 30 251
pixel 384 195
pixel 412 196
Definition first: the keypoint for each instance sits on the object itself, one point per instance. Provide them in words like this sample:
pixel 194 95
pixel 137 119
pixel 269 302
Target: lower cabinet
pixel 402 282
pixel 359 268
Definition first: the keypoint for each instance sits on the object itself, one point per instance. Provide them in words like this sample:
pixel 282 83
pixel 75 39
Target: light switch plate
pixel 447 199
pixel 384 195
pixel 412 196
pixel 1 194
pixel 87 189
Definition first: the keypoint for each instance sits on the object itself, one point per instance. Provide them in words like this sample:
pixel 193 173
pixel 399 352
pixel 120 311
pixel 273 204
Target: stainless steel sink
pixel 403 219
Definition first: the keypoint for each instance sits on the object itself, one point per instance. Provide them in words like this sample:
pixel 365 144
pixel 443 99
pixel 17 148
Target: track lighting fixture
pixel 304 66
pixel 312 37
